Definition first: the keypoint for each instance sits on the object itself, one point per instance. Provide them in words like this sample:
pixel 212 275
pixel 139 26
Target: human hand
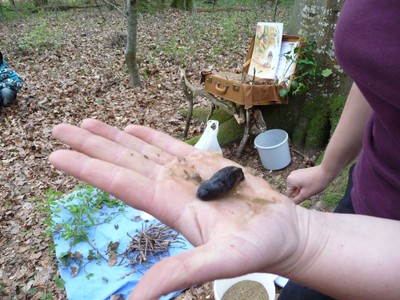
pixel 253 229
pixel 304 183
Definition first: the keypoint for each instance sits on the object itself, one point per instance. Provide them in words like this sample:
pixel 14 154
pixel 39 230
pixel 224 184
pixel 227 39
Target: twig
pixel 151 242
pixel 299 153
pixel 96 249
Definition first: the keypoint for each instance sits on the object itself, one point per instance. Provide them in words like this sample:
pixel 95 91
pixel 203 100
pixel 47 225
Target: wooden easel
pixel 252 118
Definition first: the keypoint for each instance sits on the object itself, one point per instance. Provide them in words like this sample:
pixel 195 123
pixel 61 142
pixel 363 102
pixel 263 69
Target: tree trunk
pixel 187 5
pixel 315 20
pixel 39 3
pixel 131 44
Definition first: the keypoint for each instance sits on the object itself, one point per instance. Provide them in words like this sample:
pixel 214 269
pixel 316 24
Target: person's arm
pixel 251 230
pixel 348 256
pixel 346 141
pixel 340 255
pixel 342 149
pixel 5 74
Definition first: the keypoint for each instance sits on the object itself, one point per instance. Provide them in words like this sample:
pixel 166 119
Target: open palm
pixel 254 228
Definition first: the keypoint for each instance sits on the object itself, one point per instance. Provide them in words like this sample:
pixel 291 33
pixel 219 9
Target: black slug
pixel 220 183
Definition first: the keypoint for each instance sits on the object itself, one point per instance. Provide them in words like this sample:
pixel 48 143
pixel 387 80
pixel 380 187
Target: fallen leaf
pixel 74 271
pixel 112 260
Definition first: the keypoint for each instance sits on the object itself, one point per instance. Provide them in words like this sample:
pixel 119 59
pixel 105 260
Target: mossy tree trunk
pixel 131 44
pixel 315 20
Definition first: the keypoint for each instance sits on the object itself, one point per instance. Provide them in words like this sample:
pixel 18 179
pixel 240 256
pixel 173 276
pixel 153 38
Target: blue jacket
pixel 9 78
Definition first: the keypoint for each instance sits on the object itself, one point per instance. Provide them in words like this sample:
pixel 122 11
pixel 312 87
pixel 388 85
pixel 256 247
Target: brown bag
pixel 241 89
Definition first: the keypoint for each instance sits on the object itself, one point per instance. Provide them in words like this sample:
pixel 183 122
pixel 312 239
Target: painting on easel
pixel 267 46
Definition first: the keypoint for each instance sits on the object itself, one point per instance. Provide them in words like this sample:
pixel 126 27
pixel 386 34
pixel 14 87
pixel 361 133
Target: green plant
pixel 228 33
pixel 41 36
pixel 307 68
pixel 218 51
pixel 148 6
pixel 80 207
pixel 9 12
pixel 175 49
pixel 60 283
pixel 71 216
pixel 32 291
pixel 183 48
pixel 47 295
pixel 8 204
pixel 44 207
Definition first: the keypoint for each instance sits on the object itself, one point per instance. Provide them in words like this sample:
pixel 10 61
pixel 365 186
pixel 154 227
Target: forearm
pixel 348 256
pixel 346 141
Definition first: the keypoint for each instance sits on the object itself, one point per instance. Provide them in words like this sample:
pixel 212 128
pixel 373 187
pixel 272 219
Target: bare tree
pixel 131 44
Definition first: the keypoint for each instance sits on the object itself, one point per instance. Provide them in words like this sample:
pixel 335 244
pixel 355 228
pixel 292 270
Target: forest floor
pixel 73 67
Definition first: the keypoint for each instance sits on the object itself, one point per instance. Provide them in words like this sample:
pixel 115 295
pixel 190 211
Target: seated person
pixel 10 83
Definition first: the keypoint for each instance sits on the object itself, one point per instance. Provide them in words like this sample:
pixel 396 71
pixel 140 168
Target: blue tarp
pixel 96 279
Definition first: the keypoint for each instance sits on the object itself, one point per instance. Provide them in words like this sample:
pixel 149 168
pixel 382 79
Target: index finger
pixel 127 140
pixel 160 140
pixel 102 148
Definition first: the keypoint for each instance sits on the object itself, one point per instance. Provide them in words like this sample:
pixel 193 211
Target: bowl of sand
pixel 254 286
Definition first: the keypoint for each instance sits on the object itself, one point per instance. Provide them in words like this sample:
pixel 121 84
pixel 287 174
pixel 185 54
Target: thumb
pixel 296 193
pixel 292 191
pixel 299 197
pixel 192 267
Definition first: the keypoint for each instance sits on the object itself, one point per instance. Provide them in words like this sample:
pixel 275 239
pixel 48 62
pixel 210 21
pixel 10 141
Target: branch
pixel 195 91
pixel 115 6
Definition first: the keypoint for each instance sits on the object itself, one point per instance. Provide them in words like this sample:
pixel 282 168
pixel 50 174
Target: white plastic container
pixel 266 279
pixel 273 148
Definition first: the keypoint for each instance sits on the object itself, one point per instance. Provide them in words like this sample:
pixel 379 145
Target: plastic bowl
pixel 266 279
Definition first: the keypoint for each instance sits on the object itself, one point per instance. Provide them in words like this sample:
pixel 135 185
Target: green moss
pixel 317 131
pixel 307 123
pixel 306 204
pixel 281 116
pixel 317 134
pixel 299 133
pixel 193 140
pixel 201 114
pixel 335 109
pixel 320 157
pixel 229 130
pixel 331 199
pixel 335 191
